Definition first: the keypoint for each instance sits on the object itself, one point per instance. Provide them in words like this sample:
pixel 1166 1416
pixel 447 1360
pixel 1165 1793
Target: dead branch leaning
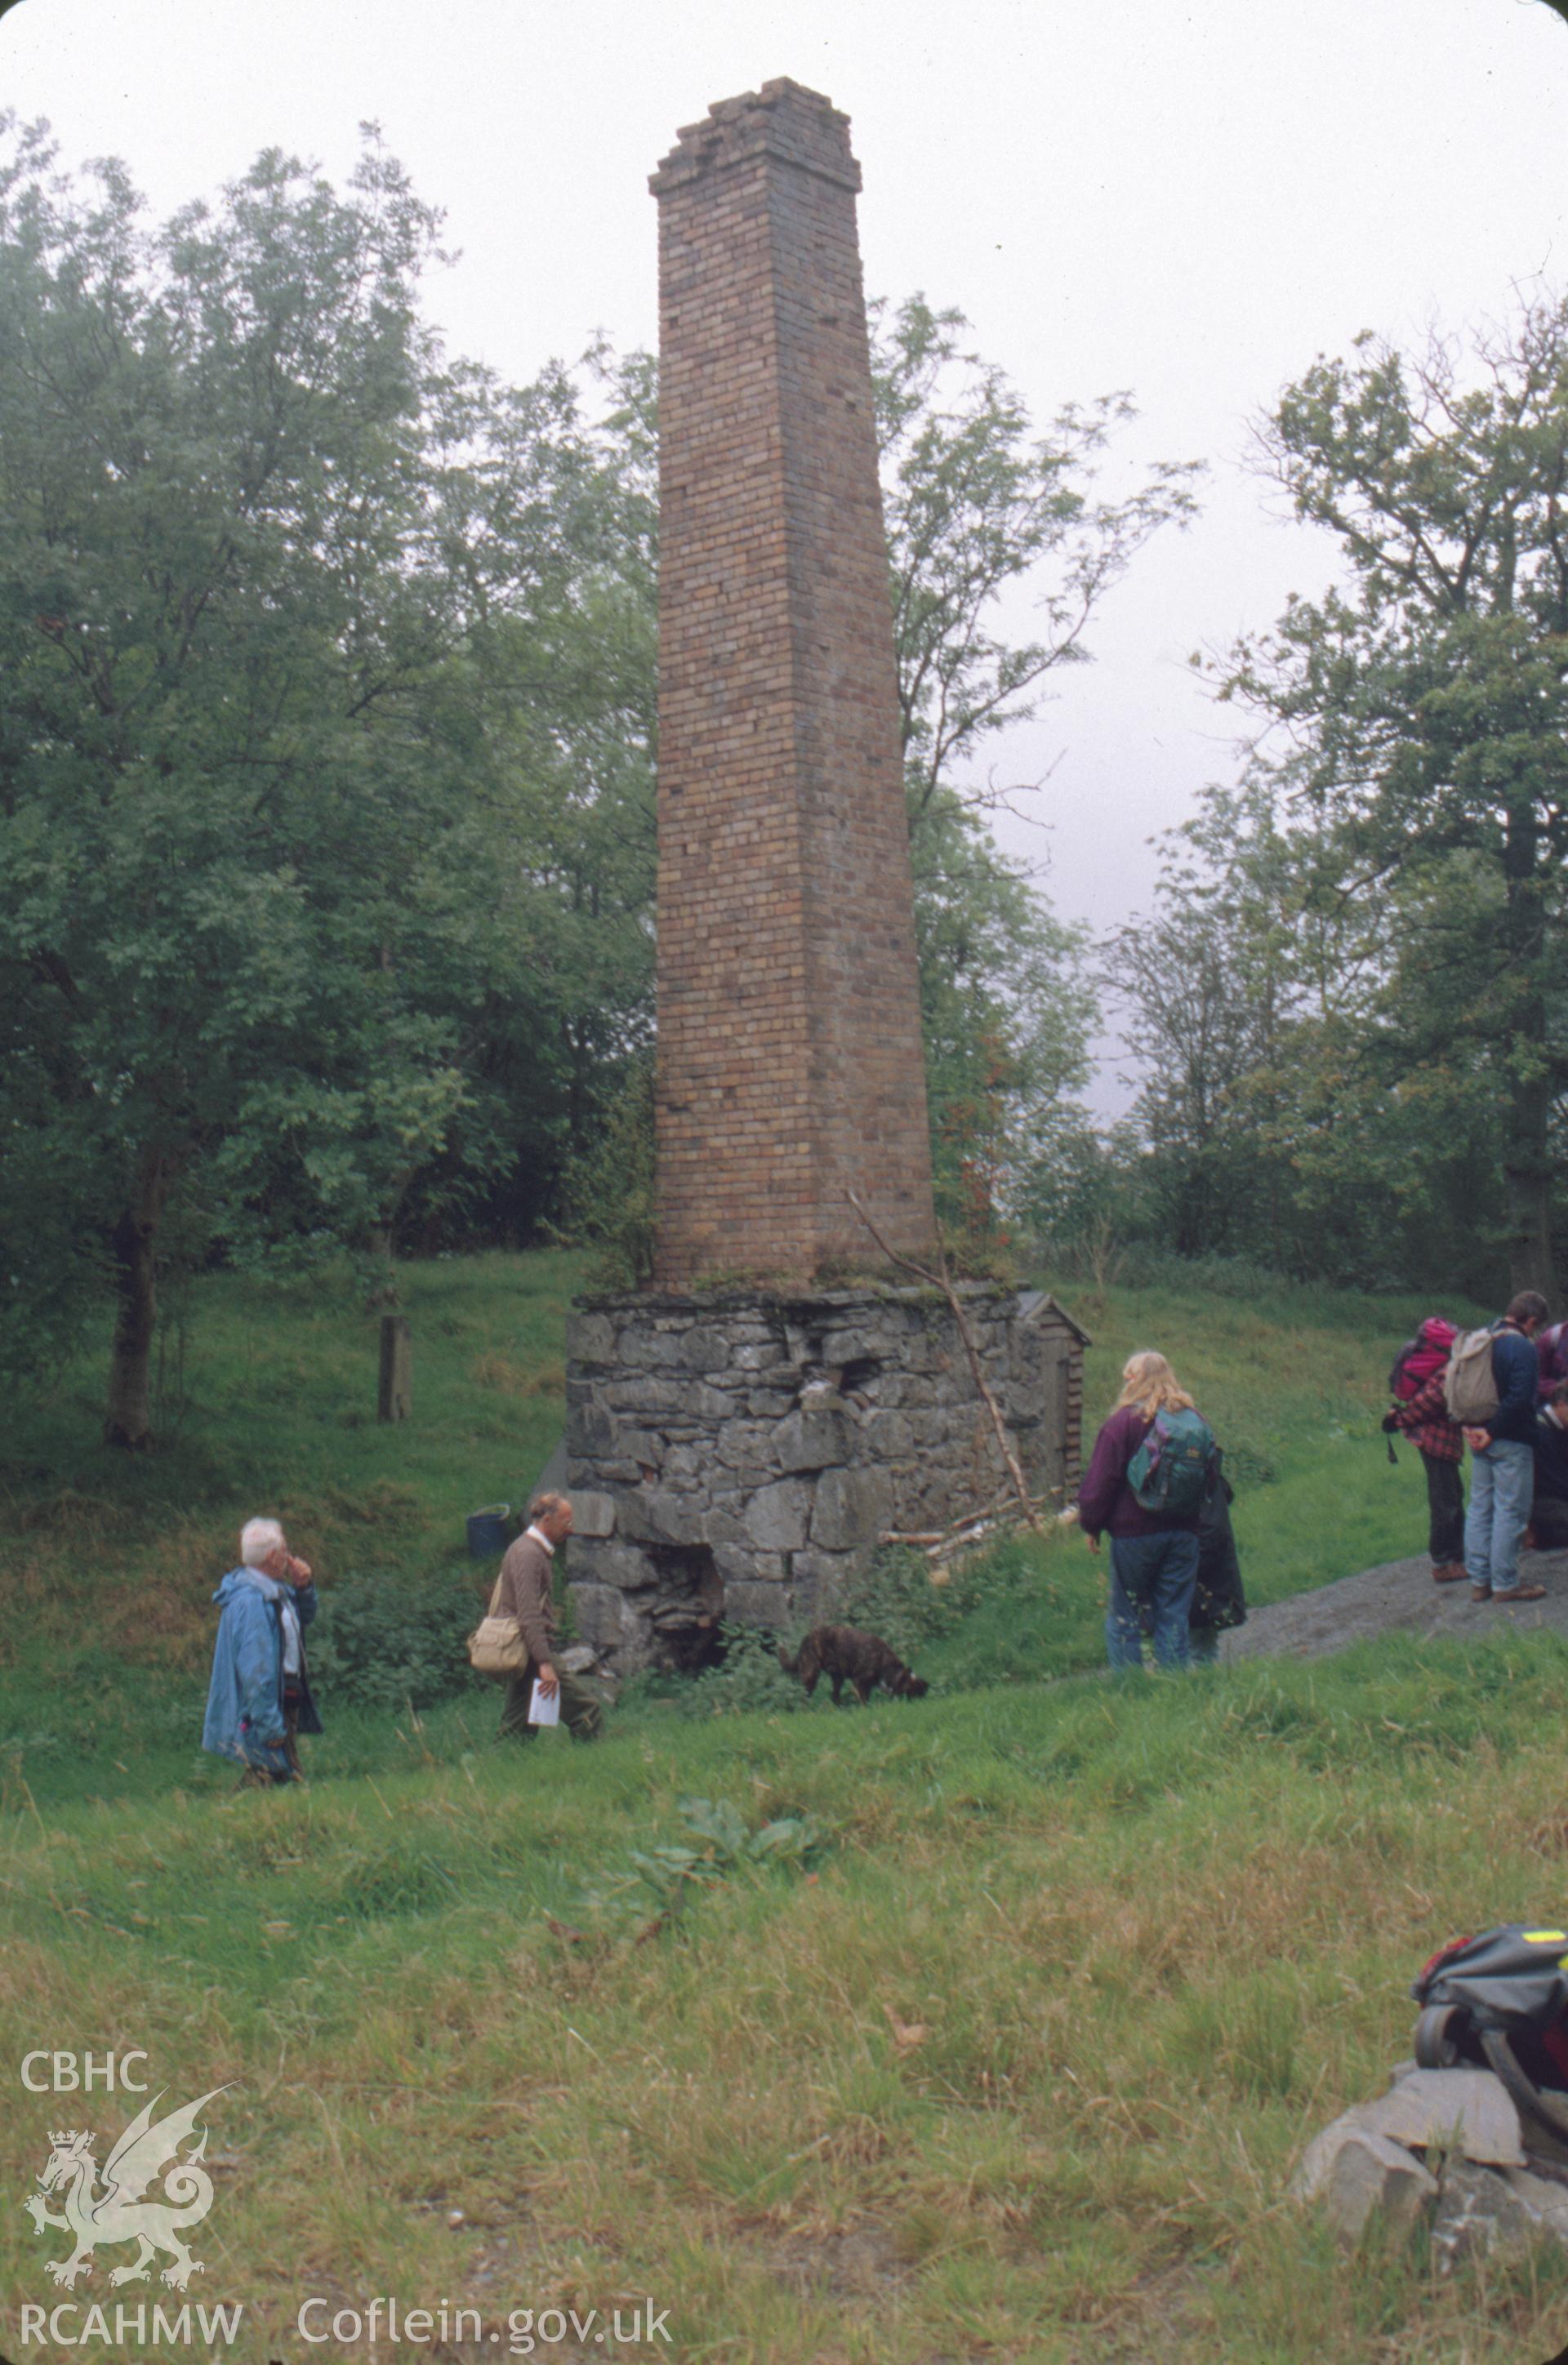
pixel 939 1280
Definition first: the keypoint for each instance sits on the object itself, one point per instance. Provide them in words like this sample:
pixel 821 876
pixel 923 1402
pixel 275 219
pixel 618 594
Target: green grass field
pixel 1006 2052
pixel 110 1559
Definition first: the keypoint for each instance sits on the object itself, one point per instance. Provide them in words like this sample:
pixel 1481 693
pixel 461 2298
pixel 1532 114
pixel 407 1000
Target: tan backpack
pixel 1469 1389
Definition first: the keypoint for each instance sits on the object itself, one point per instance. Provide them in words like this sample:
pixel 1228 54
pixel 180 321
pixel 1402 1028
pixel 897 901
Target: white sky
pixel 1191 202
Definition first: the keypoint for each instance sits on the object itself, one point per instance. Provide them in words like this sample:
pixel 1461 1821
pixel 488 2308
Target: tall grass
pixel 1019 2070
pixel 1015 2064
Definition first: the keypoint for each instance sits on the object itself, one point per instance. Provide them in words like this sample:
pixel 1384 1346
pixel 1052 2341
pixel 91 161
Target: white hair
pixel 257 1538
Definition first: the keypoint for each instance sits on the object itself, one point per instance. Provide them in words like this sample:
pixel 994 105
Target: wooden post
pixel 395 1398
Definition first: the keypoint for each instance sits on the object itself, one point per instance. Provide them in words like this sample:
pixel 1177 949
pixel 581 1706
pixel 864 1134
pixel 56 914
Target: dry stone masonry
pixel 740 1456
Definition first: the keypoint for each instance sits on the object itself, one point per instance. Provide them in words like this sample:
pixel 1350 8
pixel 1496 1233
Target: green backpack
pixel 1170 1468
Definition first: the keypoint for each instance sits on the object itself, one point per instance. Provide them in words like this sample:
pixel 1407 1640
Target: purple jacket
pixel 1105 1501
pixel 1552 1358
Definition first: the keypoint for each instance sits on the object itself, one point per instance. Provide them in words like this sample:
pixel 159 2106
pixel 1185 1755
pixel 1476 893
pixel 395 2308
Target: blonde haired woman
pixel 1148 1504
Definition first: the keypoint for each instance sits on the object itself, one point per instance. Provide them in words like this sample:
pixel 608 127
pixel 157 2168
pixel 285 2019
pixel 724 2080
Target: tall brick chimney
pixel 789 1066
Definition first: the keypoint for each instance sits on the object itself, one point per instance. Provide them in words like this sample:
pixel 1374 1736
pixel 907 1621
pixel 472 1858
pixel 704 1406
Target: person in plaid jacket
pixel 1440 1443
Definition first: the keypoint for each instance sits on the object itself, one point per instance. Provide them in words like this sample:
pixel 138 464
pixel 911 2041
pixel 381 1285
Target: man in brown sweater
pixel 523 1591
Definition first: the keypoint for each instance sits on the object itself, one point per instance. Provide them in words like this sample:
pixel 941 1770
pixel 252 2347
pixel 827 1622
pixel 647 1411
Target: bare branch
pixel 940 1279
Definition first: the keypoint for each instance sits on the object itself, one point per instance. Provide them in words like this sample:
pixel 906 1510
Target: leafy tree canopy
pixel 288 868
pixel 1419 713
pixel 982 511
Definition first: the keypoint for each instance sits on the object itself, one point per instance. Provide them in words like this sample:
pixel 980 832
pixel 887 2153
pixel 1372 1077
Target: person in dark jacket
pixel 1424 1419
pixel 1502 1467
pixel 1552 1360
pixel 1219 1600
pixel 1549 1519
pixel 1154 1558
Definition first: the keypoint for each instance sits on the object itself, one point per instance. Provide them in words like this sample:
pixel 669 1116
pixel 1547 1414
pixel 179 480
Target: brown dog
pixel 844 1655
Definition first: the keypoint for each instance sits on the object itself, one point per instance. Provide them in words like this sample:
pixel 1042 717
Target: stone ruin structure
pixel 741 1438
pixel 737 1457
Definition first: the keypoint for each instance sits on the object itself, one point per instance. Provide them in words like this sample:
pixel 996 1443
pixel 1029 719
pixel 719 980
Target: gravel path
pixel 1398 1597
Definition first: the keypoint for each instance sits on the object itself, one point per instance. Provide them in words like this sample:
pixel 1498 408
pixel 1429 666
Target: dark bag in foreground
pixel 1170 1468
pixel 1500 2002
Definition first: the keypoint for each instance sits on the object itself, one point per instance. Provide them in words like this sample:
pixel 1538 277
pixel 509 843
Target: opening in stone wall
pixel 687 1623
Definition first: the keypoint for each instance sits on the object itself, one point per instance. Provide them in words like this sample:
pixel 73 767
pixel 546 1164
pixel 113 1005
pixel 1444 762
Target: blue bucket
pixel 489 1531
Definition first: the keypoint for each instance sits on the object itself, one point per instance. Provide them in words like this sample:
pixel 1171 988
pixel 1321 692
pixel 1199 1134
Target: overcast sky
pixel 1190 202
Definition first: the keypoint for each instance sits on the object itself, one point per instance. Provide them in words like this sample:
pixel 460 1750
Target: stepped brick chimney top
pixel 782 120
pixel 789 1059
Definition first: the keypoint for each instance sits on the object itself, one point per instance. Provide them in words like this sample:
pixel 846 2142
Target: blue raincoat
pixel 244 1700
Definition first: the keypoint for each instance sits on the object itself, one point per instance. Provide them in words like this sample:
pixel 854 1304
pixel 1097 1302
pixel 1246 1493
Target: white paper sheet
pixel 541 1710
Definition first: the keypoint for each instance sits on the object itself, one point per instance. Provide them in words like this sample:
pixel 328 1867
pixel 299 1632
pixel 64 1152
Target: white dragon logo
pixel 118 2213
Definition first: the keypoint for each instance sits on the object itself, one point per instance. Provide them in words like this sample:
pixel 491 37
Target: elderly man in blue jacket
pixel 1502 1467
pixel 258 1700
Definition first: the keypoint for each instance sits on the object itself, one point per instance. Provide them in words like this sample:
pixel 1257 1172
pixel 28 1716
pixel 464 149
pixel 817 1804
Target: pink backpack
pixel 1421 1356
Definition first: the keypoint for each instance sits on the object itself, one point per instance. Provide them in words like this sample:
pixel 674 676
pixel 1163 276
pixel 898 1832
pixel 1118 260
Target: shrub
pixel 715 1845
pixel 383 1639
pixel 896 1598
pixel 748 1679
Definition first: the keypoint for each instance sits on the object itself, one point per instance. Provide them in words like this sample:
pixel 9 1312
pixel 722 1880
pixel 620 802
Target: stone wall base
pixel 739 1457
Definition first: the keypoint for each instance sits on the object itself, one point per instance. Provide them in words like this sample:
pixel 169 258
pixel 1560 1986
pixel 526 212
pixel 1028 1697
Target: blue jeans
pixel 1502 1481
pixel 1158 1572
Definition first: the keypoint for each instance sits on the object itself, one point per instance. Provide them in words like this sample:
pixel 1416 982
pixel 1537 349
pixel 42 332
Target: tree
pixel 976 503
pixel 265 760
pixel 1281 1118
pixel 1421 713
pixel 978 506
pixel 1006 1014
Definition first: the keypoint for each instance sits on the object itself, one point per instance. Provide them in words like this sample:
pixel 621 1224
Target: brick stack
pixel 790 1062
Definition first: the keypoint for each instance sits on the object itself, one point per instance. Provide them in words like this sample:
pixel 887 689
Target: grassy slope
pixel 1019 2072
pixel 1295 1389
pixel 112 1558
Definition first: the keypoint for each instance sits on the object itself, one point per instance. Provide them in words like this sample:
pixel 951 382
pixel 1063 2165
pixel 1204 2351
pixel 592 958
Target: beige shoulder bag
pixel 496 1646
